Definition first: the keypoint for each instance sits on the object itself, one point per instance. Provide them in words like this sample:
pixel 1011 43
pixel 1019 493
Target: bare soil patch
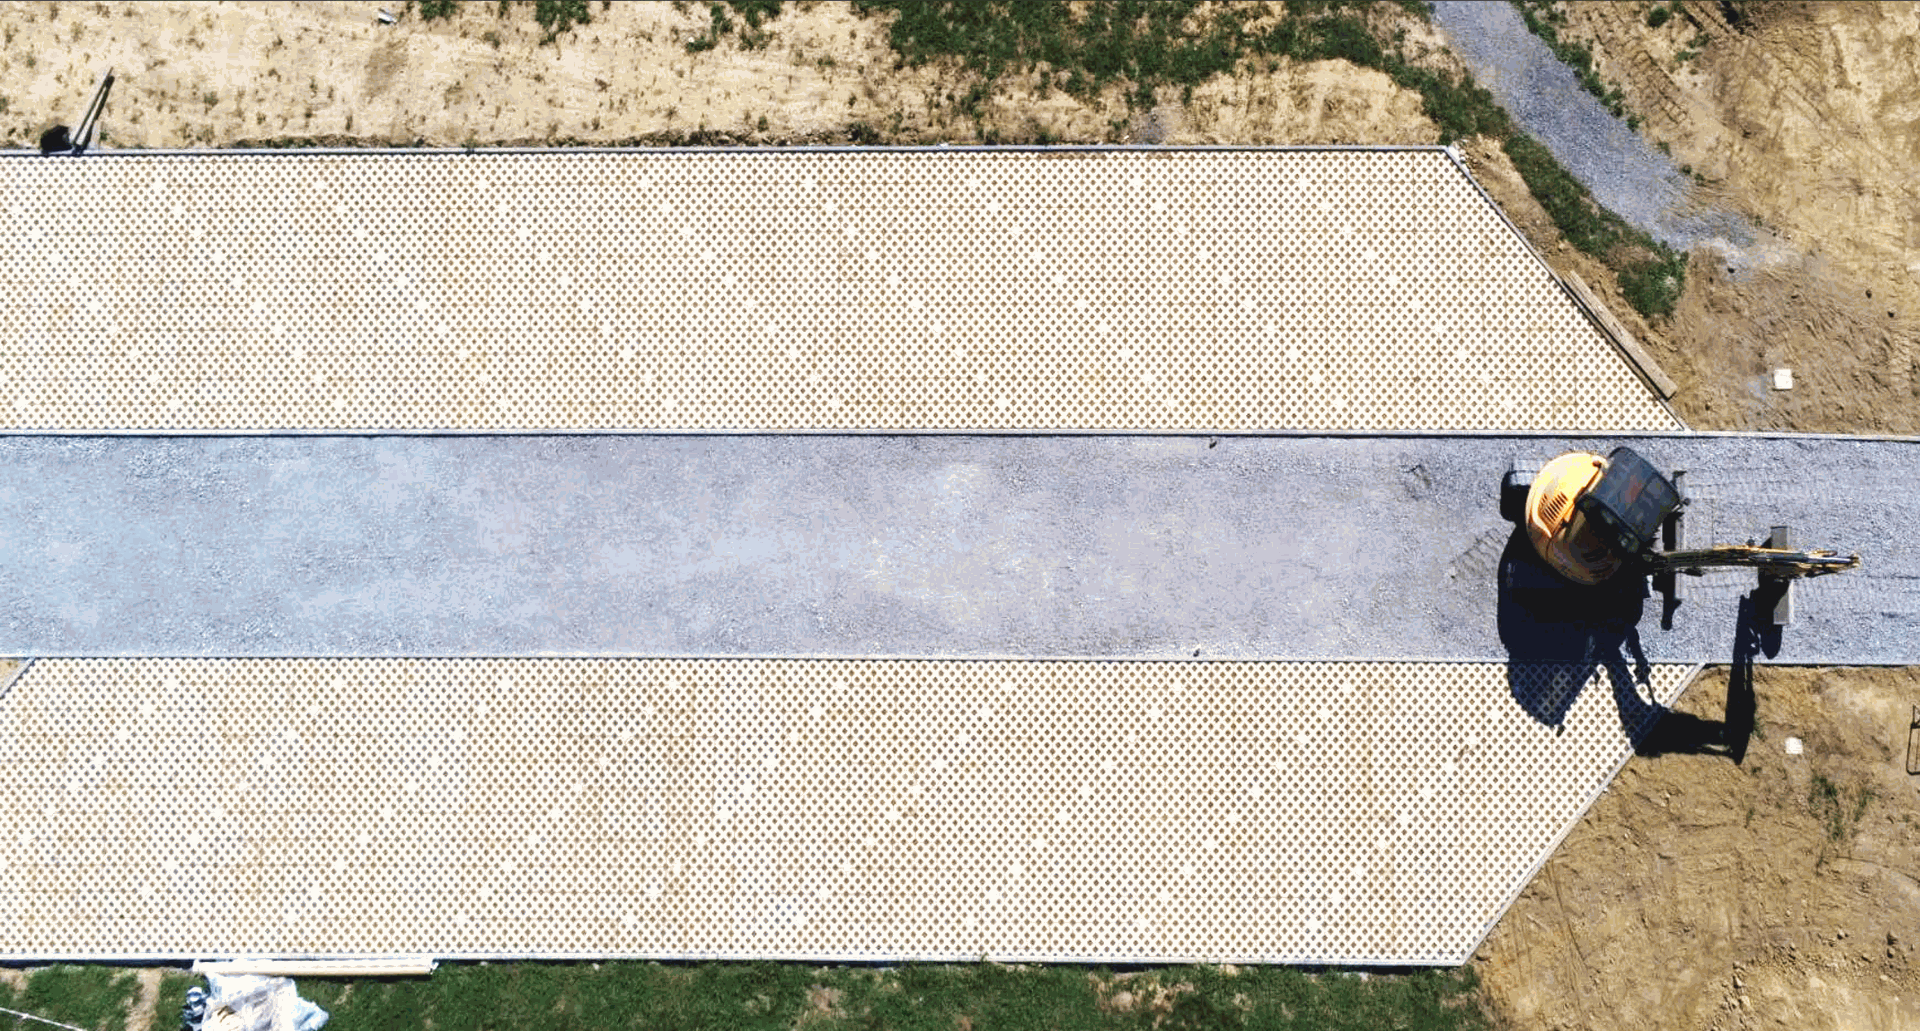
pixel 1780 892
pixel 1805 117
pixel 194 74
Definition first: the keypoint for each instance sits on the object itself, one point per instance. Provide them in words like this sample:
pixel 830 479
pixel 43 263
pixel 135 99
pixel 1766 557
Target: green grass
pixel 624 995
pixel 1147 46
pixel 555 17
pixel 1143 43
pixel 747 996
pixel 1650 273
pixel 96 998
pixel 92 997
pixel 753 14
pixel 783 996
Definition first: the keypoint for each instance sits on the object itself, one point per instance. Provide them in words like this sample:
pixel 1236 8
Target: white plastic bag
pixel 249 1002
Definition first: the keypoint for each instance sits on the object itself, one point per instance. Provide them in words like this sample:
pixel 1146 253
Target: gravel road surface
pixel 953 546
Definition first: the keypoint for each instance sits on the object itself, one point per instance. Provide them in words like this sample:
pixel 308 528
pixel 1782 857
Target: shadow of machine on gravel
pixel 1592 536
pixel 1565 621
pixel 1559 635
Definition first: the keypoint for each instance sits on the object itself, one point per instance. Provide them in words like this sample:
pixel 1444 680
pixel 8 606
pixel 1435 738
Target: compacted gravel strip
pixel 962 546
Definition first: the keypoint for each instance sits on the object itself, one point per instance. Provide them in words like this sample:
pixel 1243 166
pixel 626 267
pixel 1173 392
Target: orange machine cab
pixel 1558 528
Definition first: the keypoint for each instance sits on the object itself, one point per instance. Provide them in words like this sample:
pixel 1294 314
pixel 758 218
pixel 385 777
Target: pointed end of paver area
pixel 10 671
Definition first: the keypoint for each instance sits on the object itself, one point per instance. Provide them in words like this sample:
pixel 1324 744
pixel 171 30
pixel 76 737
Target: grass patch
pixel 92 997
pixel 766 996
pixel 753 15
pixel 556 16
pixel 1076 50
pixel 173 995
pixel 1838 814
pixel 770 996
pixel 1650 273
pixel 1150 45
pixel 553 16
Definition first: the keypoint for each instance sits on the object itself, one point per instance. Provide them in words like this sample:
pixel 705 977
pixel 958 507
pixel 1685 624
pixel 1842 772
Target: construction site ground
pixel 1696 894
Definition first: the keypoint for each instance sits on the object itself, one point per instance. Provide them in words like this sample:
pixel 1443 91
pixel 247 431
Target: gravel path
pixel 1626 175
pixel 981 547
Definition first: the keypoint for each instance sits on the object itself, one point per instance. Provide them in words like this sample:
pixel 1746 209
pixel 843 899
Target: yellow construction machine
pixel 1589 517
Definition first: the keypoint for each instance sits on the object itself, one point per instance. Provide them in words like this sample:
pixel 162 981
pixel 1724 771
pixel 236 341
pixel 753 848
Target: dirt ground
pixel 1780 892
pixel 202 74
pixel 1806 118
pixel 1783 892
pixel 1777 893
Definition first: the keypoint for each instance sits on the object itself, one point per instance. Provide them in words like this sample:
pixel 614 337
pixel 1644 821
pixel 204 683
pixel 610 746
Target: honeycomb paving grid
pixel 834 809
pixel 913 290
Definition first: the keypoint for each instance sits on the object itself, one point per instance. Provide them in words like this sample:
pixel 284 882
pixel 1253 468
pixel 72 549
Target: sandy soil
pixel 147 1006
pixel 1808 120
pixel 195 74
pixel 1702 894
pixel 1697 893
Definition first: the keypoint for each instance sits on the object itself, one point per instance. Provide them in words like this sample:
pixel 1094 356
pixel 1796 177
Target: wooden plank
pixel 1636 356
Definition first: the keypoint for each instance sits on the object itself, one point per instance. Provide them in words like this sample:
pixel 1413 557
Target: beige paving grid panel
pixel 849 808
pixel 782 290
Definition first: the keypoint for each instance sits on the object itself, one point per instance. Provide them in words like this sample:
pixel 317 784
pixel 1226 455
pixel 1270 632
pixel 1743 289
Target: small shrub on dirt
pixel 1838 814
pixel 554 17
pixel 753 15
pixel 1653 286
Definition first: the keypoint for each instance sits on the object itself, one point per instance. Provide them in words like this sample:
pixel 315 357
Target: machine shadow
pixel 1559 634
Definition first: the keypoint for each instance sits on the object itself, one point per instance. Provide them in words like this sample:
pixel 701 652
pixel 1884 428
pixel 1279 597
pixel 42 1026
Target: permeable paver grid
pixel 832 806
pixel 844 809
pixel 873 290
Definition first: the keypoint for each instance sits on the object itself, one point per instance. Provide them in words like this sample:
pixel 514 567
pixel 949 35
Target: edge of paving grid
pixel 859 956
pixel 25 665
pixel 1812 662
pixel 1334 434
pixel 935 148
pixel 1559 839
pixel 1653 379
pixel 881 959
